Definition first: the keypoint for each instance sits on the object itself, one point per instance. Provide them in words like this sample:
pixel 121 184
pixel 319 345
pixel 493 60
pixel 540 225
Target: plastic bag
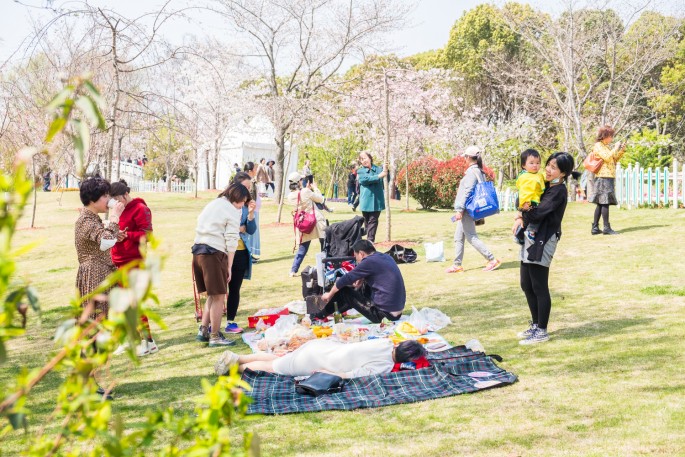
pixel 417 320
pixel 281 329
pixel 434 252
pixel 435 318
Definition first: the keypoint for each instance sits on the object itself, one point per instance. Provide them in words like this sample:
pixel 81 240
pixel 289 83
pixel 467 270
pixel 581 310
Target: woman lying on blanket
pixel 347 360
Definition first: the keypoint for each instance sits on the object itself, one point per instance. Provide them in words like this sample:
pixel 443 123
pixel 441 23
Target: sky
pixel 431 20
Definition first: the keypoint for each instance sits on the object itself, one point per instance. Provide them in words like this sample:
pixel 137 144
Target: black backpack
pixel 400 254
pixel 310 285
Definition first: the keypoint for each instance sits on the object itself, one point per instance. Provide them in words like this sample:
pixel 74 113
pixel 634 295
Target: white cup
pixel 111 203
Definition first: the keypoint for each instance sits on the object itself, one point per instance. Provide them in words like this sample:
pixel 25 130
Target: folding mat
pixel 452 372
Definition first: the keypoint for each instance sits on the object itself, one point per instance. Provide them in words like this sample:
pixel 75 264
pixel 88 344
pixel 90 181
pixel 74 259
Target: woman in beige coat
pixel 309 196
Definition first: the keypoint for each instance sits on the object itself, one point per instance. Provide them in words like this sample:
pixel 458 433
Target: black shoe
pixel 595 229
pixel 101 391
pixel 608 231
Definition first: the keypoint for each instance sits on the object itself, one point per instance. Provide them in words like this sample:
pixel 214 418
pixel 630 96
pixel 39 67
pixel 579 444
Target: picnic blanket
pixel 452 372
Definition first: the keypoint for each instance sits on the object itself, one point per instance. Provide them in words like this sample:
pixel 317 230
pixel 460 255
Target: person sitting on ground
pixel 347 360
pixel 374 287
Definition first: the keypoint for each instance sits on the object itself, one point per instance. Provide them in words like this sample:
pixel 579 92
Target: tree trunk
pixel 207 175
pixel 115 106
pixel 279 196
pixel 387 154
pixel 35 190
pixel 406 178
pixel 280 160
pixel 120 140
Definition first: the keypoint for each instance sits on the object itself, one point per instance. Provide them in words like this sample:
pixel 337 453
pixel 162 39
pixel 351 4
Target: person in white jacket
pixel 347 360
pixel 216 239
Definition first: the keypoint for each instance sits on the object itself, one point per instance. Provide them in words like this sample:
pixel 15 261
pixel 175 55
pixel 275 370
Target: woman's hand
pixel 458 215
pixel 118 209
pixel 251 207
pixel 243 229
pixel 122 235
pixel 383 173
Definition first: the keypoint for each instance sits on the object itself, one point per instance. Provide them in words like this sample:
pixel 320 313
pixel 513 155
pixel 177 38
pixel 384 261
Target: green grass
pixel 610 382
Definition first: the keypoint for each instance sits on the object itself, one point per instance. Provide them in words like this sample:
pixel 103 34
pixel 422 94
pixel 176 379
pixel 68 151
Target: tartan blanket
pixel 452 372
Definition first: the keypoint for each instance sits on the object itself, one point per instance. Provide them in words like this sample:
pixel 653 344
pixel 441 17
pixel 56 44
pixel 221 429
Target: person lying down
pixel 347 360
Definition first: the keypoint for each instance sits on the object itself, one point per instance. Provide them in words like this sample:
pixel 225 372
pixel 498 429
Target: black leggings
pixel 240 266
pixel 604 211
pixel 535 284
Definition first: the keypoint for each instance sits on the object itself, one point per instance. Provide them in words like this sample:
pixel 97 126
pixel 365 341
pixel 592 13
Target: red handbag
pixel 593 163
pixel 302 220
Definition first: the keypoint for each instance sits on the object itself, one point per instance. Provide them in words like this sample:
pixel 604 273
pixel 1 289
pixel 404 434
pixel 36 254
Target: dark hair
pixel 368 154
pixel 271 162
pixel 308 179
pixel 249 166
pixel 409 350
pixel 119 188
pixel 565 163
pixel 236 193
pixel 294 185
pixel 605 132
pixel 364 246
pixel 262 160
pixel 240 177
pixel 353 166
pixel 528 153
pixel 92 189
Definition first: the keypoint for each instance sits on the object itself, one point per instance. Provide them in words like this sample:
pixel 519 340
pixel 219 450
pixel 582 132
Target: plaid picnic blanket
pixel 452 372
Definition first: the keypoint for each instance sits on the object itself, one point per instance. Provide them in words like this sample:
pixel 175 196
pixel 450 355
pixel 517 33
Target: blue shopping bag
pixel 483 201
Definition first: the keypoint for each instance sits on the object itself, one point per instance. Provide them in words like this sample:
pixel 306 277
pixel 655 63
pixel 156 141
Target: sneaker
pixel 526 333
pixel 225 362
pixel 152 347
pixel 142 350
pixel 540 335
pixel 219 340
pixel 531 236
pixel 121 349
pixel 232 327
pixel 293 274
pixel 455 269
pixel 492 265
pixel 202 334
pixel 105 395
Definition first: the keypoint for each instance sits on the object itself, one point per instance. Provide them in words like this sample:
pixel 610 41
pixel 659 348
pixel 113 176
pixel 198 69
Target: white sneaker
pixel 152 347
pixel 142 349
pixel 225 362
pixel 121 349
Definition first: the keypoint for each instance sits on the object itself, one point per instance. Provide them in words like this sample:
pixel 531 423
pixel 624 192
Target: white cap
pixel 295 177
pixel 471 151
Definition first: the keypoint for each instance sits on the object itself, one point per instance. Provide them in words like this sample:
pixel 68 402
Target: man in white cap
pixel 305 199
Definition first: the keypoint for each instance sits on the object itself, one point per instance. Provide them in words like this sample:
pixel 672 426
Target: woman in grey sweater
pixel 466 226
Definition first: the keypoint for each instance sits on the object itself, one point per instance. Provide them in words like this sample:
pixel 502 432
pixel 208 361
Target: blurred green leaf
pixel 56 126
pixel 91 111
pixel 59 99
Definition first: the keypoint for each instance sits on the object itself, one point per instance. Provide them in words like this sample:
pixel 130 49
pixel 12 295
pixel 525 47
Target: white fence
pixel 637 186
pixel 187 186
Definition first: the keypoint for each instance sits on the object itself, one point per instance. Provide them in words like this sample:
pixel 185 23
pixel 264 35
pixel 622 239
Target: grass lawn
pixel 610 382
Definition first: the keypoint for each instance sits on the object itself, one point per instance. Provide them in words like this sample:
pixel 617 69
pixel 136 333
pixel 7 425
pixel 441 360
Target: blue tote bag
pixel 483 201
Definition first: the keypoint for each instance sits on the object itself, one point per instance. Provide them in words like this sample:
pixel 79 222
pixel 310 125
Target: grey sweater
pixel 468 182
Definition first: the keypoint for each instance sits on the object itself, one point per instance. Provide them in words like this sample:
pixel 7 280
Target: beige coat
pixel 610 157
pixel 307 200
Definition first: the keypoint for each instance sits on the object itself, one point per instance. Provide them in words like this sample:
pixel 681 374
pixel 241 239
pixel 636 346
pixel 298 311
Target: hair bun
pixel 123 182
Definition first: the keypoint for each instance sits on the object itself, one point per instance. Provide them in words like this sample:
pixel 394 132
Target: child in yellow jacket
pixel 530 184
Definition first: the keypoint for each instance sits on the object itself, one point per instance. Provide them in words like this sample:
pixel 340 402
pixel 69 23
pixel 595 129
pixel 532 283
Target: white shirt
pixel 218 225
pixel 354 359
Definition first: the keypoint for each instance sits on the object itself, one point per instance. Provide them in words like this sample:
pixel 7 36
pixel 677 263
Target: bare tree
pixel 299 46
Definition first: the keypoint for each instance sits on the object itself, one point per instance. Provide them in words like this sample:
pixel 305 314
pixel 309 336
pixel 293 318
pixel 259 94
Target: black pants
pixel 272 185
pixel 535 284
pixel 240 265
pixel 371 224
pixel 602 210
pixel 351 298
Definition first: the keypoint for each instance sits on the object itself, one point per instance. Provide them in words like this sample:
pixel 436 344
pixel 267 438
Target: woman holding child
pixel 536 254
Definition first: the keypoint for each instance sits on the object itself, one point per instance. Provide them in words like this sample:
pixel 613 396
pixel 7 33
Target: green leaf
pixel 18 420
pixel 55 127
pixel 94 93
pixel 91 111
pixel 3 352
pixel 59 99
pixel 84 132
pixel 32 295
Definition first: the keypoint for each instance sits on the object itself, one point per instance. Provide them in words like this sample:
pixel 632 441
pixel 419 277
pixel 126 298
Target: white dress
pixel 354 359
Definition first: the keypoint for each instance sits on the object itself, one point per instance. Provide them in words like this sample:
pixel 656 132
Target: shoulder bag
pixel 593 163
pixel 302 220
pixel 320 384
pixel 483 201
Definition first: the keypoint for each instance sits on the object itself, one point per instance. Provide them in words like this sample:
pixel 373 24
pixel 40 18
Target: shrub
pixel 421 175
pixel 447 178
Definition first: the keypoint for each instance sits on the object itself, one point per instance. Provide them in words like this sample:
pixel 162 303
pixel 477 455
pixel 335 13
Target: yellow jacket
pixel 530 187
pixel 610 157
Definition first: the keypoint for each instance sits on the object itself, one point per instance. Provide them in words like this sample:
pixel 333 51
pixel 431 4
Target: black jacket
pixel 548 215
pixel 342 235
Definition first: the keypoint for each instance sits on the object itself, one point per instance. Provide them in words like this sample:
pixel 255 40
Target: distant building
pixel 248 141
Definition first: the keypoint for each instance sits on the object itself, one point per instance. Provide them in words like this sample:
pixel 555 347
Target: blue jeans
pixel 301 254
pixel 351 194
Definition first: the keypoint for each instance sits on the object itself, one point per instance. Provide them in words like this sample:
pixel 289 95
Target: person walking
pixel 352 184
pixel 466 226
pixel 135 224
pixel 272 176
pixel 371 198
pixel 216 240
pixel 604 186
pixel 536 255
pixel 305 199
pixel 242 261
